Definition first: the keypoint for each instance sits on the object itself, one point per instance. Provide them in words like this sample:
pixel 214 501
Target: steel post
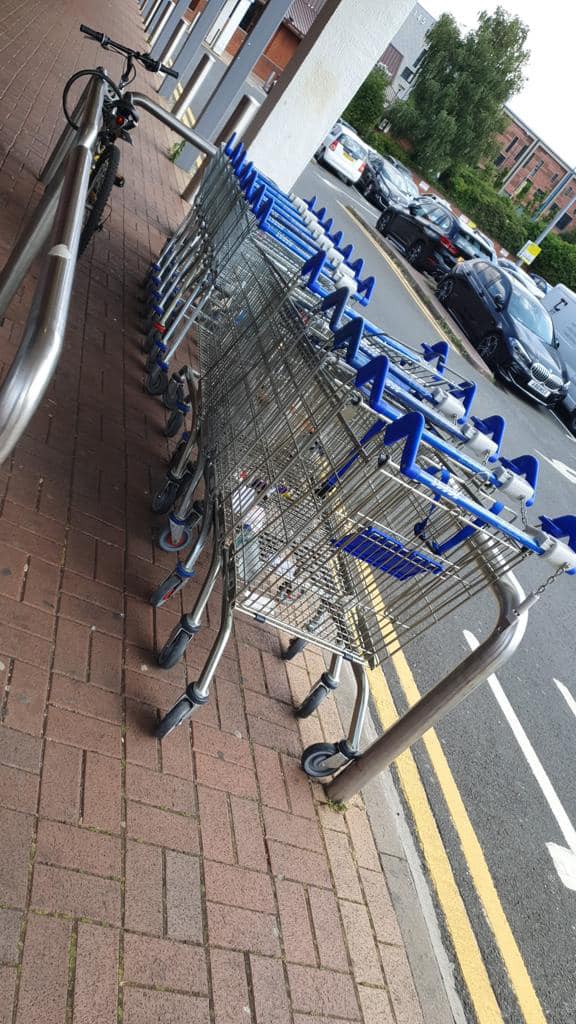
pixel 198 76
pixel 175 41
pixel 161 23
pixel 235 76
pixel 189 134
pixel 236 124
pixel 64 143
pixel 178 11
pixel 187 56
pixel 489 656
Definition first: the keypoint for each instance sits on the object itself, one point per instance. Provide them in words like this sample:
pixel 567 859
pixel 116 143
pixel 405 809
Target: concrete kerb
pixel 432 968
pixel 453 336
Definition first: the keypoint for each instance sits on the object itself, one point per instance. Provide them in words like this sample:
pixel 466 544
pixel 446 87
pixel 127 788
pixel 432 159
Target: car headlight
pixel 519 351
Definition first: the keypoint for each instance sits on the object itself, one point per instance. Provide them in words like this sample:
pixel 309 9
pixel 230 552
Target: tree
pixel 455 107
pixel 366 108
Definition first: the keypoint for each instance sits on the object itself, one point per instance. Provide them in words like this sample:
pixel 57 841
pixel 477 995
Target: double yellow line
pixel 458 923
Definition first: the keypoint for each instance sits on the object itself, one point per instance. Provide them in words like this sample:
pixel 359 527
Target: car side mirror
pixel 415 208
pixel 499 302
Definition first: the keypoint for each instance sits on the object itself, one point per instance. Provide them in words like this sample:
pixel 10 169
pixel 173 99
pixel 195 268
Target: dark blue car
pixel 510 329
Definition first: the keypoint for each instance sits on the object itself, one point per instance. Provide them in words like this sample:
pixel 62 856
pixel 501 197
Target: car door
pixel 411 224
pixel 489 292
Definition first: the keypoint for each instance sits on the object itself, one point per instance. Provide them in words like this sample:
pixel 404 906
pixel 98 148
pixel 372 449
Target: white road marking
pixel 567 696
pixel 560 467
pixel 564 859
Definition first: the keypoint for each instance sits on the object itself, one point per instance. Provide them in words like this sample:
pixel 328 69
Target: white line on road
pixel 567 696
pixel 560 467
pixel 564 859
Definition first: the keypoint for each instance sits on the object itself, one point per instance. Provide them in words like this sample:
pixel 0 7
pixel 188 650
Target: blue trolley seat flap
pixel 383 552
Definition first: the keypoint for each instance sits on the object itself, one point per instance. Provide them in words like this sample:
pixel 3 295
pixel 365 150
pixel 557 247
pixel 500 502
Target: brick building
pixel 533 173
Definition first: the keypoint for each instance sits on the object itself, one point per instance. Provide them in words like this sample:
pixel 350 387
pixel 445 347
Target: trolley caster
pixel 174 394
pixel 174 423
pixel 152 359
pixel 296 646
pixel 316 760
pixel 174 648
pixel 175 457
pixel 178 714
pixel 152 340
pixel 166 543
pixel 165 497
pixel 312 701
pixel 156 382
pixel 170 586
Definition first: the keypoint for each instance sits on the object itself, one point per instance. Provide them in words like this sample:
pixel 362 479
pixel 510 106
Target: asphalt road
pixel 515 771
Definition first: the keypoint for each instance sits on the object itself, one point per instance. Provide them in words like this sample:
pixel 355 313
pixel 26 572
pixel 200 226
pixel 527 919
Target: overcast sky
pixel 547 101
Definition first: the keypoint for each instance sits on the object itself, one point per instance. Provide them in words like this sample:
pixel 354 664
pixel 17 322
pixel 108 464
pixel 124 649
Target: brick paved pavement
pixel 201 880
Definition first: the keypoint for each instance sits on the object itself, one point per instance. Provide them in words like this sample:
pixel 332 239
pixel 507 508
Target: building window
pixel 520 152
pixel 419 58
pixel 564 221
pixel 251 17
pixel 499 160
pixel 407 75
pixel 513 143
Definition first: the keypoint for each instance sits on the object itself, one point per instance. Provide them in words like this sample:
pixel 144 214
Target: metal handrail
pixel 140 100
pixel 458 684
pixel 43 337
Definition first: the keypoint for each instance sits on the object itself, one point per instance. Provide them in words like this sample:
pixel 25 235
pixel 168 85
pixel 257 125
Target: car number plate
pixel 348 156
pixel 539 388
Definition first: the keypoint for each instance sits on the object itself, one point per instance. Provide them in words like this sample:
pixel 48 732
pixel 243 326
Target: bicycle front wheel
pixel 102 178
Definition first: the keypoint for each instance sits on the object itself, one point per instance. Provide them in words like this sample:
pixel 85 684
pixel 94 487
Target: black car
pixel 567 406
pixel 509 328
pixel 433 238
pixel 382 183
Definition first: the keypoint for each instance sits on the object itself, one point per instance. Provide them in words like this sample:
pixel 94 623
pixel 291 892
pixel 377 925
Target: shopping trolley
pixel 331 518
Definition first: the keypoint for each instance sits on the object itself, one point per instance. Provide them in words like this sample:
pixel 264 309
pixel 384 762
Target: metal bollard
pixel 198 76
pixel 236 124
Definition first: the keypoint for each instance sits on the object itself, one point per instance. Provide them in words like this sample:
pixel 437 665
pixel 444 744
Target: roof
pixel 302 14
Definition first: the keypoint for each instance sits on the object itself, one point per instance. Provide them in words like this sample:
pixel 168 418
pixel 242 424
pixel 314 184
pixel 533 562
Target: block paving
pixel 204 879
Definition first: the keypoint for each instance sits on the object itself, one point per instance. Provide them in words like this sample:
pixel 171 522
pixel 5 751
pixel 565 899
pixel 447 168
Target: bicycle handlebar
pixel 145 59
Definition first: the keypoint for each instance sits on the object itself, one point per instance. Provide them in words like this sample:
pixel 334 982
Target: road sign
pixel 529 252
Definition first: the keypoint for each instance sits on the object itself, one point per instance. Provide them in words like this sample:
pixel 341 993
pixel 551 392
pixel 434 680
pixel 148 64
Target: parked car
pixel 522 277
pixel 560 302
pixel 542 283
pixel 433 239
pixel 383 183
pixel 345 153
pixel 508 326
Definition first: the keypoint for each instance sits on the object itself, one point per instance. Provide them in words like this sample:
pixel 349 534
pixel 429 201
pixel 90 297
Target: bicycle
pixel 119 119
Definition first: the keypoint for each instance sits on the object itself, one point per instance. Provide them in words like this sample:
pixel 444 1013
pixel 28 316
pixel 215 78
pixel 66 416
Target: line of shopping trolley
pixel 349 495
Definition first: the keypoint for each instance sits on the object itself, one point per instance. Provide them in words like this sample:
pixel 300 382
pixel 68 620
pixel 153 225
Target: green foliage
pixel 366 108
pixel 493 213
pixel 557 261
pixel 455 108
pixel 387 146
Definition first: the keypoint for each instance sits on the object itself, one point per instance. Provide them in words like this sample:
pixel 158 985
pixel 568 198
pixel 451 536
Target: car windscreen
pixel 352 147
pixel 472 245
pixel 389 172
pixel 529 312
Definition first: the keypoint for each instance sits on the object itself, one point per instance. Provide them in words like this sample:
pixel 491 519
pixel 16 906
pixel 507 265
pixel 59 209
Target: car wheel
pixel 444 290
pixel 414 254
pixel 488 348
pixel 319 156
pixel 383 223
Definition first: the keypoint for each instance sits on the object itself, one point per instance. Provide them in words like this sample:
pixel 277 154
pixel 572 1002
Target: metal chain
pixel 551 579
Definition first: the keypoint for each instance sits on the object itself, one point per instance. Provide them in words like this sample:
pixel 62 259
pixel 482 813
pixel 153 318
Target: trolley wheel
pixel 102 177
pixel 174 648
pixel 314 760
pixel 174 393
pixel 176 456
pixel 151 340
pixel 296 646
pixel 165 542
pixel 178 714
pixel 165 496
pixel 311 702
pixel 173 423
pixel 152 358
pixel 165 590
pixel 156 382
